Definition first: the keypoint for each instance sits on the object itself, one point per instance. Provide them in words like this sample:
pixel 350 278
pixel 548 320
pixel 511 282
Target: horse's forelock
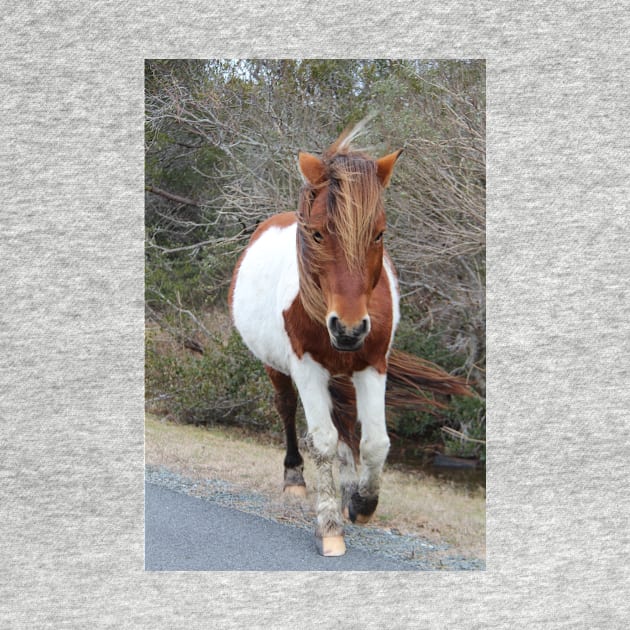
pixel 354 203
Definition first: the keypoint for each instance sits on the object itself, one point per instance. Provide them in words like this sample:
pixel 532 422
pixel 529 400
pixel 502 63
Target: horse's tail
pixel 411 381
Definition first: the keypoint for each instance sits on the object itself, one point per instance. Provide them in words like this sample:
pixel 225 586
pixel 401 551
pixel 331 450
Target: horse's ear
pixel 311 167
pixel 385 167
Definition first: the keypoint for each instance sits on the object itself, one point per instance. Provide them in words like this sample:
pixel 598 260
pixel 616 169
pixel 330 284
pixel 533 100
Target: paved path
pixel 185 533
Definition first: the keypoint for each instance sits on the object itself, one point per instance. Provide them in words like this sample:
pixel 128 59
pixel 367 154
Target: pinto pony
pixel 315 297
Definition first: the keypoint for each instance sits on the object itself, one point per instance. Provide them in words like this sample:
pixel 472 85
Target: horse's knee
pixel 374 450
pixel 323 442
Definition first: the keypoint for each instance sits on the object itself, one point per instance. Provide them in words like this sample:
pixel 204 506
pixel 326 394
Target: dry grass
pixel 411 503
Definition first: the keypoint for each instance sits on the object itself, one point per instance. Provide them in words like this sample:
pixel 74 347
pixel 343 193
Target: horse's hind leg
pixel 286 404
pixel 344 414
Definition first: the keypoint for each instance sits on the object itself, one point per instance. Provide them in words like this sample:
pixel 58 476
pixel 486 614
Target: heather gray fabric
pixel 71 388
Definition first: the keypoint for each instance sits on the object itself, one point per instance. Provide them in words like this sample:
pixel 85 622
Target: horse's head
pixel 340 239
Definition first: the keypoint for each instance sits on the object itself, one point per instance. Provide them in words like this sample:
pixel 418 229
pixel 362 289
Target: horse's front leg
pixel 370 391
pixel 311 380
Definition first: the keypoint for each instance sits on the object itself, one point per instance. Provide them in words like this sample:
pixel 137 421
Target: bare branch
pixel 172 197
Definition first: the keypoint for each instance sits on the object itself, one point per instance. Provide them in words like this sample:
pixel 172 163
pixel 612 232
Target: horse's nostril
pixel 333 324
pixel 365 325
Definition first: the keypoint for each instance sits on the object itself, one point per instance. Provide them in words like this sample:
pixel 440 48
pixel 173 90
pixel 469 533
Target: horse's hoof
pixel 295 491
pixel 330 546
pixel 361 519
pixel 361 509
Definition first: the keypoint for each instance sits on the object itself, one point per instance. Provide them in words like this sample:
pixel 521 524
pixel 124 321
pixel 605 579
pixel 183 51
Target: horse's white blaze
pixel 266 284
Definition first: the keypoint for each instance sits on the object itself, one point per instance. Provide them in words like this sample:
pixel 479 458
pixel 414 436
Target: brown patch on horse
pixel 308 335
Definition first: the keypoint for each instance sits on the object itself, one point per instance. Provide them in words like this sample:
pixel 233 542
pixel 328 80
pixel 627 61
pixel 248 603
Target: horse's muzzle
pixel 347 338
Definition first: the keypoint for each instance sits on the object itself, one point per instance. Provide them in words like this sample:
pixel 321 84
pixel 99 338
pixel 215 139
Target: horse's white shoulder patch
pixel 393 287
pixel 266 284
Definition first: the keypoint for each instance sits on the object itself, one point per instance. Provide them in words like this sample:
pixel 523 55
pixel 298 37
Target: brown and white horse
pixel 315 297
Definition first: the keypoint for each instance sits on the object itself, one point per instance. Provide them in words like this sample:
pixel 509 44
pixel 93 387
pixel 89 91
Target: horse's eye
pixel 379 238
pixel 317 237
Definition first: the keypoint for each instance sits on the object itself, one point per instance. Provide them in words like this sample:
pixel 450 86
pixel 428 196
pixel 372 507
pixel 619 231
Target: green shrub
pixel 195 282
pixel 468 416
pixel 225 385
pixel 428 347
